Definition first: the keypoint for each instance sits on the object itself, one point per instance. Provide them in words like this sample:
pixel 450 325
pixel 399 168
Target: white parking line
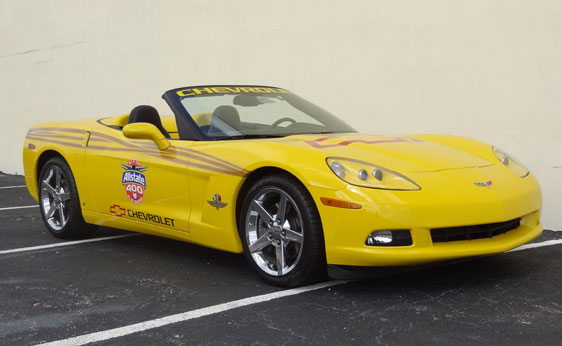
pixel 12 187
pixel 22 207
pixel 211 310
pixel 185 316
pixel 67 243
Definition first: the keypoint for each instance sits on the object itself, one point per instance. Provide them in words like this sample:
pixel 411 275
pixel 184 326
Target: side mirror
pixel 146 131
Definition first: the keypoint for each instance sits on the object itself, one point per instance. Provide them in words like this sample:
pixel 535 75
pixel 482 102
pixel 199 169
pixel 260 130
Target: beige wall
pixel 484 69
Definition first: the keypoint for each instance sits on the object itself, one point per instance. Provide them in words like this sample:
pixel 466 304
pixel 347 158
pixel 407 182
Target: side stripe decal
pixel 191 157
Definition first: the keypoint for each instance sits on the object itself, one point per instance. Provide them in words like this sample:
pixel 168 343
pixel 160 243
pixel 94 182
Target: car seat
pixel 147 114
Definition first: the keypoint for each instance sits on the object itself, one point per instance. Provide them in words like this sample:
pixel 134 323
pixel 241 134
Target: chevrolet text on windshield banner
pixel 230 90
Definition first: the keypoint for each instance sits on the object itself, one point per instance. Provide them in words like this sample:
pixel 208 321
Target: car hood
pixel 404 153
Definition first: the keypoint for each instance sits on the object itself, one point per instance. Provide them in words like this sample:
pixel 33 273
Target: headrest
pixel 229 115
pixel 147 114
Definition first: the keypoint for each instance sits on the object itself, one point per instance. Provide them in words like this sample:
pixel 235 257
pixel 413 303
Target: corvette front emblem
pixel 487 184
pixel 216 202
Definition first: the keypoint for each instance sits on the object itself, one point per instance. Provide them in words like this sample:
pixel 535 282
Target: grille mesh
pixel 442 235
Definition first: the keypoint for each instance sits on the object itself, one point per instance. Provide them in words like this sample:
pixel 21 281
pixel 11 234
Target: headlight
pixel 511 163
pixel 369 175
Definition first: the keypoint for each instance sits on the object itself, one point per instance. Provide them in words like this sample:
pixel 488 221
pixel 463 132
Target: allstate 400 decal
pixel 134 180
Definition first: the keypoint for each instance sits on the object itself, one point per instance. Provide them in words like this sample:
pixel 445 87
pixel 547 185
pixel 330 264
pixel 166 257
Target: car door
pixel 134 180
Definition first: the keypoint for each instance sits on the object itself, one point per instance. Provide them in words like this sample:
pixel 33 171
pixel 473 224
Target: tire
pixel 285 250
pixel 59 202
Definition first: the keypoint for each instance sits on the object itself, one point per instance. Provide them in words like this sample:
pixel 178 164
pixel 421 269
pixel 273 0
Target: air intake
pixel 489 230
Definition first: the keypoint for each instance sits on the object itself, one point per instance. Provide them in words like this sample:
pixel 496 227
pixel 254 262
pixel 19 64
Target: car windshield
pixel 230 112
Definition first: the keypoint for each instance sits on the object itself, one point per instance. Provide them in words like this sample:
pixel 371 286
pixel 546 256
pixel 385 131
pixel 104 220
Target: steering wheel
pixel 282 120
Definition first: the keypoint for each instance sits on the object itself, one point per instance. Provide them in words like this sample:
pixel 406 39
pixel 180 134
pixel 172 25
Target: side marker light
pixel 330 202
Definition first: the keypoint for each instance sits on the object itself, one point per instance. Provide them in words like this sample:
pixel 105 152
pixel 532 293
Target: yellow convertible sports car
pixel 260 170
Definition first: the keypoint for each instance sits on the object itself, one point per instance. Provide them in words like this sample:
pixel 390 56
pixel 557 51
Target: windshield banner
pixel 229 90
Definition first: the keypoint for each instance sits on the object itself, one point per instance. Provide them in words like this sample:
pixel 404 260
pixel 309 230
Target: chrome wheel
pixel 274 231
pixel 55 198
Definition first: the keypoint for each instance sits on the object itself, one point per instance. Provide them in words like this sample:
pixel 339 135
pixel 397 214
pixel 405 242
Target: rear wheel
pixel 281 232
pixel 59 202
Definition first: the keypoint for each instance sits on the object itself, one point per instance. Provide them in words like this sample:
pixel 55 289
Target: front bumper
pixel 447 199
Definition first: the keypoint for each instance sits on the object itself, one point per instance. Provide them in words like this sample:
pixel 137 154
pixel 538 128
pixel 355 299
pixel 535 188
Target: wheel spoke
pixel 57 178
pixel 45 185
pixel 50 175
pixel 280 254
pixel 294 236
pixel 51 212
pixel 259 244
pixel 282 210
pixel 61 215
pixel 65 196
pixel 264 214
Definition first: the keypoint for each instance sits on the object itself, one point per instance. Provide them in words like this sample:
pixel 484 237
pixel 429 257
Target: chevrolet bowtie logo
pixel 117 210
pixel 487 184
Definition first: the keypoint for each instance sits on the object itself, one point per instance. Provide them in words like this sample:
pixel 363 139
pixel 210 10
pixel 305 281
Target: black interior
pixel 147 114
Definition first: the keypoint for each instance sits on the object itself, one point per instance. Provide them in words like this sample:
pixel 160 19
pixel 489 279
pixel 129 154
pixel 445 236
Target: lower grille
pixel 442 235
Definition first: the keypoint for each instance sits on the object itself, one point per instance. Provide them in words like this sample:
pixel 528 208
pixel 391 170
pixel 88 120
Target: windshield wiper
pixel 249 136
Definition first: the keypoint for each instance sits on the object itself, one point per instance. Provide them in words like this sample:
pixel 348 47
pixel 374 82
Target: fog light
pixel 399 237
pixel 382 237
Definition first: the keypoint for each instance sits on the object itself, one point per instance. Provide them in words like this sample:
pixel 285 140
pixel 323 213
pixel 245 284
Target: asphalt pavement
pixel 121 288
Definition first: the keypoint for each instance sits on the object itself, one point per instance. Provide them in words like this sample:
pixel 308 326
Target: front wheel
pixel 59 202
pixel 281 232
